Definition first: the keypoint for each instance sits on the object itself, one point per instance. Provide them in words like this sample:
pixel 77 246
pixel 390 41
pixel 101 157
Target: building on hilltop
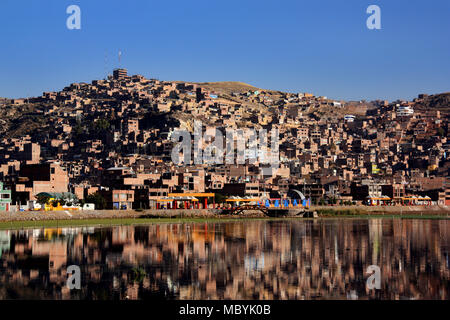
pixel 119 74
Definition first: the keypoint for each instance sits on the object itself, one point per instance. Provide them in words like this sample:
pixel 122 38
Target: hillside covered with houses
pixel 112 138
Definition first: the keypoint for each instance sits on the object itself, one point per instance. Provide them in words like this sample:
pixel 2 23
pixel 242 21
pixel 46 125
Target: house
pixel 118 199
pixel 5 198
pixel 37 178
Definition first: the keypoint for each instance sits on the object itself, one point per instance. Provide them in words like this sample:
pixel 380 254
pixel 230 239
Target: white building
pixel 349 118
pixel 404 111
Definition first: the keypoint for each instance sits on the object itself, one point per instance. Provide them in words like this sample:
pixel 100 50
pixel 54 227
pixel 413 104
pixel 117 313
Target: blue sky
pixel 320 46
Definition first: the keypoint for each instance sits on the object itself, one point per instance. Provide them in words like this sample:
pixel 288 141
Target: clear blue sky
pixel 319 46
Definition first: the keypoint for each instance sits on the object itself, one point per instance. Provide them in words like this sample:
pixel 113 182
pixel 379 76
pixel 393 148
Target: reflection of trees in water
pixel 287 259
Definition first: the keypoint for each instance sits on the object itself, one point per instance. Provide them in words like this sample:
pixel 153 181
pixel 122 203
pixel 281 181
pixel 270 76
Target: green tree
pixel 78 129
pixel 42 199
pixel 102 124
pixel 138 274
pixel 219 198
pixel 97 199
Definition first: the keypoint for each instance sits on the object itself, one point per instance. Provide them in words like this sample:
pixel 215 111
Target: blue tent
pixel 277 204
pixel 295 203
pixel 267 203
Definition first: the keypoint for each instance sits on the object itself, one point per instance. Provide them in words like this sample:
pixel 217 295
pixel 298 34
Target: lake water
pixel 257 259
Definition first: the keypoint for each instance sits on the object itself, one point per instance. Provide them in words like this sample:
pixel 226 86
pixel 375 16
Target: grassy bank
pixel 97 222
pixel 333 212
pixel 145 221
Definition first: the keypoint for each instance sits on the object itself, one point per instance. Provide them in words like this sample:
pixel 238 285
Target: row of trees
pixel 43 199
pixel 96 198
pixel 333 201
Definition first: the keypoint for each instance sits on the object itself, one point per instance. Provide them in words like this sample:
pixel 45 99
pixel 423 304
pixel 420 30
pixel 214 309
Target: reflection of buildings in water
pixel 56 251
pixel 253 263
pixel 352 295
pixel 36 233
pixel 290 259
pixel 4 241
pixel 375 236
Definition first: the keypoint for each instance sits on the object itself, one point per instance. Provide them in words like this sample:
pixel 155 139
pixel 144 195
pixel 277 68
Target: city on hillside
pixel 108 143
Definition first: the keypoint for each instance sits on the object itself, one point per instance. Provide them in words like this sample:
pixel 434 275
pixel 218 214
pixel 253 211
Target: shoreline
pixel 22 225
pixel 39 219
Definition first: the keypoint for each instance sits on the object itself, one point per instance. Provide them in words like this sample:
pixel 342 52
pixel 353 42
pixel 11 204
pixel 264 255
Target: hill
pixel 227 87
pixel 439 102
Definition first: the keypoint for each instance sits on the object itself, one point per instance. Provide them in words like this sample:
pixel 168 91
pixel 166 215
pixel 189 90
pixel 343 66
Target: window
pixel 6 196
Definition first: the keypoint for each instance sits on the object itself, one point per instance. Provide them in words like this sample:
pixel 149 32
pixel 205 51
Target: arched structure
pixel 293 192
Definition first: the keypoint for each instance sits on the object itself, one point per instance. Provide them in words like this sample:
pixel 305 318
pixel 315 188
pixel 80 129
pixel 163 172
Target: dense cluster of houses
pixel 113 137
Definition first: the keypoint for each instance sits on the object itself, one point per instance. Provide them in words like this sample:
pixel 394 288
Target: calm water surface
pixel 282 259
